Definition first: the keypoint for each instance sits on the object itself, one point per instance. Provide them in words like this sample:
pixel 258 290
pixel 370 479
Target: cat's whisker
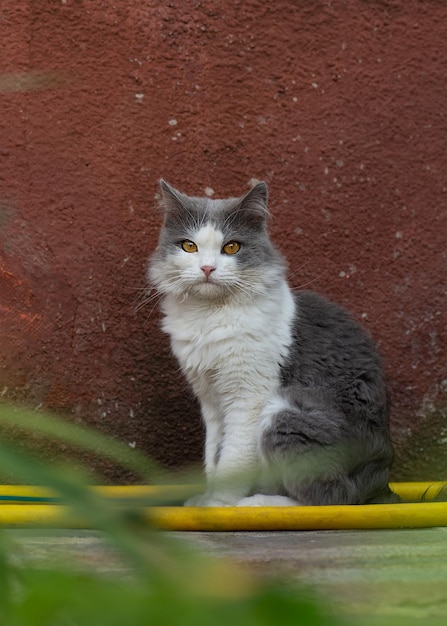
pixel 311 281
pixel 145 298
pixel 153 301
pixel 149 314
pixel 300 268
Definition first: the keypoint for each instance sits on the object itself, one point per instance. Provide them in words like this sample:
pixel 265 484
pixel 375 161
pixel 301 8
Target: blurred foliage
pixel 50 598
pixel 167 583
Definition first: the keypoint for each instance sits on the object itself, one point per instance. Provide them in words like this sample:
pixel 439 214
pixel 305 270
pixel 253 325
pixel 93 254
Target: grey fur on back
pixel 333 445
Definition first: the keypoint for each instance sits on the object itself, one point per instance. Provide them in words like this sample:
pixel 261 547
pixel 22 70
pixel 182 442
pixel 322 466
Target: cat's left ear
pixel 254 203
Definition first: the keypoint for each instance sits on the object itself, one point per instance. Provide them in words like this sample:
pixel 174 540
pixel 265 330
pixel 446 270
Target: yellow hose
pixel 416 491
pixel 408 491
pixel 35 494
pixel 38 516
pixel 424 515
pixel 32 511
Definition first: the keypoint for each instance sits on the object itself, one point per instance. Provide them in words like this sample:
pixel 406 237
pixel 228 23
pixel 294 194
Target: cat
pixel 291 388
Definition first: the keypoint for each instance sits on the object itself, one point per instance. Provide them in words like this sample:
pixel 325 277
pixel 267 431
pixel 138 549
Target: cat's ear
pixel 172 199
pixel 254 203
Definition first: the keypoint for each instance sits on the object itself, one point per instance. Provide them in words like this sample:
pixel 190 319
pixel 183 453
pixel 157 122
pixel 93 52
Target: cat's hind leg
pixel 314 456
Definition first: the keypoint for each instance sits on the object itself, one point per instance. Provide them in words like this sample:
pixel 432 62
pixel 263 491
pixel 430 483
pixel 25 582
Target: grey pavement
pixel 400 574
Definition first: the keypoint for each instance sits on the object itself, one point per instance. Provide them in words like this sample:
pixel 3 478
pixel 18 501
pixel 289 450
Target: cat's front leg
pixel 213 436
pixel 236 465
pixel 213 439
pixel 213 430
pixel 220 489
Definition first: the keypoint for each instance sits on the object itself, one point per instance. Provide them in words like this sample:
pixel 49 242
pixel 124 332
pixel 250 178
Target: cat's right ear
pixel 172 199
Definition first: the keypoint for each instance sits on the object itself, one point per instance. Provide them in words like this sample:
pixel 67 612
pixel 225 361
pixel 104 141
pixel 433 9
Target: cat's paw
pixel 206 499
pixel 260 499
pixel 198 500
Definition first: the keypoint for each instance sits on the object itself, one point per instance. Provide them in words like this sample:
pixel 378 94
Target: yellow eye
pixel 189 246
pixel 231 247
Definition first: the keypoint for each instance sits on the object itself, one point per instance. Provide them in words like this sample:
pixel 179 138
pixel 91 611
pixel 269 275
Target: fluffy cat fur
pixel 291 388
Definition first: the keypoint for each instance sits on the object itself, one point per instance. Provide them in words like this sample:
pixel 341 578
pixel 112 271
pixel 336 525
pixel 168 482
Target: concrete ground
pixel 382 572
pixel 397 574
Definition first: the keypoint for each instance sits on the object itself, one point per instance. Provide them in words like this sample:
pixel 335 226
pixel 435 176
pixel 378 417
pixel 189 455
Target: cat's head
pixel 214 249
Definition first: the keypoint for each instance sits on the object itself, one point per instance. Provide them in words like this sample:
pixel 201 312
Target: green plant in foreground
pixel 59 598
pixel 166 583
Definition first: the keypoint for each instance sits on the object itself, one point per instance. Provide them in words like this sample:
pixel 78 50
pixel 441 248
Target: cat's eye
pixel 231 247
pixel 189 246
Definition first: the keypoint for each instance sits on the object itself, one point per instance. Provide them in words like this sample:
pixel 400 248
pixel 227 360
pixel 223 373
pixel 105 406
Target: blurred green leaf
pixel 14 418
pixel 55 598
pixel 168 584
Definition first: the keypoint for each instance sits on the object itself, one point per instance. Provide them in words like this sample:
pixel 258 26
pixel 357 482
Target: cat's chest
pixel 229 337
pixel 203 339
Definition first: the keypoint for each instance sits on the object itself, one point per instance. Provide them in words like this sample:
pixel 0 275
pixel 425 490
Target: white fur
pixel 260 499
pixel 275 404
pixel 230 349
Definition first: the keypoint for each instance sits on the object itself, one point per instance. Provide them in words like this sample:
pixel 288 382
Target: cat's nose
pixel 207 269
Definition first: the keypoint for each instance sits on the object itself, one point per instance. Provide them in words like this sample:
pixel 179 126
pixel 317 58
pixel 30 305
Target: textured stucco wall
pixel 341 107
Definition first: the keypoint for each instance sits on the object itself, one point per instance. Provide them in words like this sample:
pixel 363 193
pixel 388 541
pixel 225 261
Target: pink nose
pixel 207 269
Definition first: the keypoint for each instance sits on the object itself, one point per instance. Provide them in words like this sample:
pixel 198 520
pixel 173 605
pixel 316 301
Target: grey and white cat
pixel 291 388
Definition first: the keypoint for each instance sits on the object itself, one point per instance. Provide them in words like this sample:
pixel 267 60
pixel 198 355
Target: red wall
pixel 341 107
